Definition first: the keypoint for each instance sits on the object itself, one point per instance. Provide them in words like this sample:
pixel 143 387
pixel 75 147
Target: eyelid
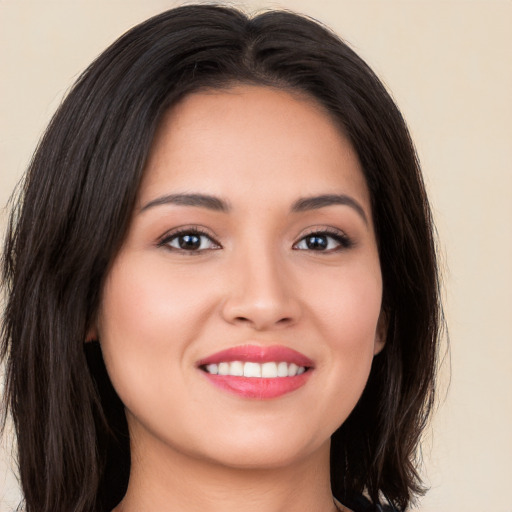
pixel 164 240
pixel 339 235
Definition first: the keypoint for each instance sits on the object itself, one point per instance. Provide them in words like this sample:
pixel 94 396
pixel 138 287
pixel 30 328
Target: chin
pixel 265 449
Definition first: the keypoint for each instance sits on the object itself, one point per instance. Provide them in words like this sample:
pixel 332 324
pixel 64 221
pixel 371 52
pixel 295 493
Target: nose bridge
pixel 261 293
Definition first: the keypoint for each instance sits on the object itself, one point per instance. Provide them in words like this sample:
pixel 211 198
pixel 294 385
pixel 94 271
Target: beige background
pixel 449 66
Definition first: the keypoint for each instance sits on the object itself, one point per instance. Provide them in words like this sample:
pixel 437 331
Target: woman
pixel 221 279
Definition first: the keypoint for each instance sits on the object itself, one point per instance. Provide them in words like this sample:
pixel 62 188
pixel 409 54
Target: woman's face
pixel 251 249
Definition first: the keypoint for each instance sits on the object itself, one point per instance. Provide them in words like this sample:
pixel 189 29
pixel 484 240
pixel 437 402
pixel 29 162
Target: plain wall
pixel 449 66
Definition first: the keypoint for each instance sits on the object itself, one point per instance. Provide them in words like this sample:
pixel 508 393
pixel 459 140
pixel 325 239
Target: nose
pixel 261 293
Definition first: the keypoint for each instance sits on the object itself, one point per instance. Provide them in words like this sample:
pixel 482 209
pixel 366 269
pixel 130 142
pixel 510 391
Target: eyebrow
pixel 317 202
pixel 198 200
pixel 220 205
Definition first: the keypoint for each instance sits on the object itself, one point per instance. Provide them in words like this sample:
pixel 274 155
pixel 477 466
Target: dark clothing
pixel 362 504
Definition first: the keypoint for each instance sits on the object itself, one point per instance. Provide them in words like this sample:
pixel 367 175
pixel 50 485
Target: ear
pixel 380 333
pixel 92 334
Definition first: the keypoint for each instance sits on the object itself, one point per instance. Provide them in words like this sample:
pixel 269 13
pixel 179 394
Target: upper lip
pixel 257 354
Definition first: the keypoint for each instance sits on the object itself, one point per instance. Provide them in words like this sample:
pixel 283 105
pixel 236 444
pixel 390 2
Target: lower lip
pixel 259 388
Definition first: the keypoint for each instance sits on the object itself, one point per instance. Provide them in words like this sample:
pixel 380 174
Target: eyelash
pixel 343 241
pixel 191 231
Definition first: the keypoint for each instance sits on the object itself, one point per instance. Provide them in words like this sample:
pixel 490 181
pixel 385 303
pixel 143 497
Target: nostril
pixel 259 313
pixel 247 320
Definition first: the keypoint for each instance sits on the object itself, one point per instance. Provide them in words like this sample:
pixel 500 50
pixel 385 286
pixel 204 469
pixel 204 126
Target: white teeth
pixel 292 370
pixel 223 368
pixel 282 370
pixel 236 368
pixel 252 370
pixel 212 368
pixel 269 370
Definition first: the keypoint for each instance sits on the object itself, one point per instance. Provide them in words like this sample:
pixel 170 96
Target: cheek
pixel 348 305
pixel 347 317
pixel 144 302
pixel 148 318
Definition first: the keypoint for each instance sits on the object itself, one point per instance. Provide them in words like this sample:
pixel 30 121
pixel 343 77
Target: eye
pixel 323 241
pixel 189 240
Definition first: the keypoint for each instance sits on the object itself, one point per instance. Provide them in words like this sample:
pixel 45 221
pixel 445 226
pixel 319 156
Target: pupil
pixel 189 242
pixel 316 242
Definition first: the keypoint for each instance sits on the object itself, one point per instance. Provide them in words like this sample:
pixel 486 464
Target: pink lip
pixel 254 387
pixel 258 354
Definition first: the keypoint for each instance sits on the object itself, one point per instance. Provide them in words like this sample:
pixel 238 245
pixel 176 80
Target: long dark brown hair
pixel 74 210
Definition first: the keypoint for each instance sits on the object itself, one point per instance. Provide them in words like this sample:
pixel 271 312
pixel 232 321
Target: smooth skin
pixel 223 251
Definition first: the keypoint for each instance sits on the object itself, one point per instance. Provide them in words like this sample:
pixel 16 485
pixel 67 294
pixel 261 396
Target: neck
pixel 163 479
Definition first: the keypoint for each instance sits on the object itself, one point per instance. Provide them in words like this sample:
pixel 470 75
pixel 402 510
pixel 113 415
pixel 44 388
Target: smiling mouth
pixel 250 369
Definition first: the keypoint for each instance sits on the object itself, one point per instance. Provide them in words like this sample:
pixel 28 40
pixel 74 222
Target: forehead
pixel 251 140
